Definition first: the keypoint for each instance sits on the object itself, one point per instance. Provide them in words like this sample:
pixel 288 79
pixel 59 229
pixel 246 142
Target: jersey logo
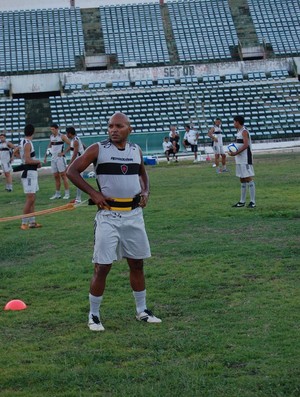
pixel 124 169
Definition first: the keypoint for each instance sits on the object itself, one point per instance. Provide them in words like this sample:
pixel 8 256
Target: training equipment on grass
pixel 15 304
pixel 66 207
pixel 232 148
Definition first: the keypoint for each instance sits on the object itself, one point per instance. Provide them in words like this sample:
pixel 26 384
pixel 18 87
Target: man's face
pixel 54 131
pixel 2 138
pixel 119 128
pixel 236 124
pixel 218 123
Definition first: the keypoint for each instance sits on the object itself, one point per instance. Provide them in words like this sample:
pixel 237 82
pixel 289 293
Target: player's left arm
pixel 244 146
pixel 67 141
pixel 27 156
pixel 144 181
pixel 75 151
pixel 12 149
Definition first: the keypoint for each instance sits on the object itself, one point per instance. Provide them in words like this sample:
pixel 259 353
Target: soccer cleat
pixel 34 225
pixel 94 323
pixel 148 317
pixel 24 226
pixel 239 204
pixel 225 170
pixel 251 205
pixel 77 201
pixel 55 196
pixel 66 197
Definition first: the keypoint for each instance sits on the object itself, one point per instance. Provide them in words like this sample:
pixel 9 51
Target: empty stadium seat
pixel 27 37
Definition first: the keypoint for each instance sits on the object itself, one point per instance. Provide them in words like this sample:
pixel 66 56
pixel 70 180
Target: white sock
pixel 78 194
pixel 67 192
pixel 243 192
pixel 140 300
pixel 252 191
pixel 95 302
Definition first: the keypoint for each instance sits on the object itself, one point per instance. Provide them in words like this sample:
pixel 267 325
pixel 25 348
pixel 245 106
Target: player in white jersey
pixel 119 225
pixel 244 163
pixel 168 148
pixel 58 161
pixel 216 134
pixel 29 176
pixel 76 149
pixel 191 136
pixel 6 158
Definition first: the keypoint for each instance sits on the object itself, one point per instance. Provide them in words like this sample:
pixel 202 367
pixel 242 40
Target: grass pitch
pixel 224 280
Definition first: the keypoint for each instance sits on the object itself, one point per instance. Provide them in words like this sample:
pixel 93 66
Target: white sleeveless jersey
pixel 80 145
pixel 21 147
pixel 219 135
pixel 246 156
pixel 57 145
pixel 117 171
pixel 5 152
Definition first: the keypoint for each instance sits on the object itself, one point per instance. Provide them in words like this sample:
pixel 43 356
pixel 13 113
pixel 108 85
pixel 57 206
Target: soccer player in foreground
pixel 119 225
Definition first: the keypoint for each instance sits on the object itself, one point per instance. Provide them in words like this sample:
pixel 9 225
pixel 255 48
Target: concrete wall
pixel 35 4
pixel 50 81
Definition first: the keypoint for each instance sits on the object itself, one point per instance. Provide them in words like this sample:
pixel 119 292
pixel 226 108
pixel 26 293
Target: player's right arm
pixel 48 147
pixel 78 166
pixel 211 134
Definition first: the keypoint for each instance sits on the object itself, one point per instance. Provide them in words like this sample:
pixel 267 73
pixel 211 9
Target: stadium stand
pixel 40 40
pixel 210 82
pixel 203 30
pixel 12 117
pixel 277 23
pixel 269 105
pixel 134 33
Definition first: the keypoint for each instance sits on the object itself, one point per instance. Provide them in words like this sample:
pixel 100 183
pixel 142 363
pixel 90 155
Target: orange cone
pixel 15 304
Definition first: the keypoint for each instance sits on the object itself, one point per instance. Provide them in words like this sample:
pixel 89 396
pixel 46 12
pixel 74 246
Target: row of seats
pixel 12 116
pixel 167 82
pixel 134 33
pixel 39 40
pixel 270 108
pixel 277 23
pixel 203 30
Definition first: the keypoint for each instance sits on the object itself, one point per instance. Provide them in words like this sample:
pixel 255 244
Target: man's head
pixel 166 138
pixel 218 121
pixel 187 127
pixel 29 130
pixel 54 128
pixel 238 121
pixel 119 128
pixel 70 131
pixel 2 136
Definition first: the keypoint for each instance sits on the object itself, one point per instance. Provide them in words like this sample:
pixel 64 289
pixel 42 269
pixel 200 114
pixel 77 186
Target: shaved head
pixel 123 116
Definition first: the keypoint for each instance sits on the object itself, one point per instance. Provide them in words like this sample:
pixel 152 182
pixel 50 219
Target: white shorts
pixel 244 170
pixel 218 149
pixel 30 183
pixel 120 235
pixel 58 165
pixel 6 166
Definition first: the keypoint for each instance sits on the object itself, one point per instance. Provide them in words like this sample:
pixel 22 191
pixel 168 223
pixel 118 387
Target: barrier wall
pixel 150 143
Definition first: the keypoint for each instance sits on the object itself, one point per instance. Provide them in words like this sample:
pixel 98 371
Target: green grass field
pixel 224 280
